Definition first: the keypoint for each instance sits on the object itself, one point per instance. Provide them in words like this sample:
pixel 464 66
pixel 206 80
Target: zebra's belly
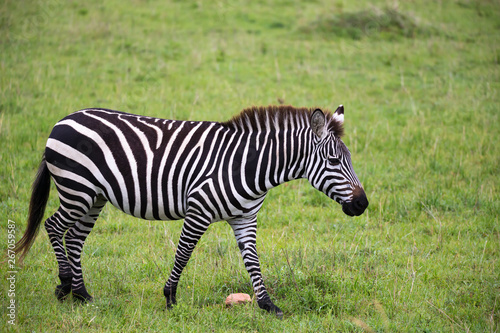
pixel 150 209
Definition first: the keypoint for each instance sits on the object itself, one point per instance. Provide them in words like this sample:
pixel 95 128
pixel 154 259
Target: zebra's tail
pixel 39 197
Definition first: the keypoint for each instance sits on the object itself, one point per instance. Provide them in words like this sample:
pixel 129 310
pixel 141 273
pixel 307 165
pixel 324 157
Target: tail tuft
pixel 39 197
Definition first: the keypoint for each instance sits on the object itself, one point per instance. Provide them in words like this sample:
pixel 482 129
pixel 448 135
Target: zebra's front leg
pixel 245 231
pixel 192 230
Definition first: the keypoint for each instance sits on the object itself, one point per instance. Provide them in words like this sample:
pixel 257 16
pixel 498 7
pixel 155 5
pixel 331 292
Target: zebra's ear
pixel 318 121
pixel 338 115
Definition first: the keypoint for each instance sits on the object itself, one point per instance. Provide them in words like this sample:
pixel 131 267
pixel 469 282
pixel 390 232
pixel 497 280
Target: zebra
pixel 199 171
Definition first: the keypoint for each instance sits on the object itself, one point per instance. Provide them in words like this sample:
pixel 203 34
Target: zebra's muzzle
pixel 357 205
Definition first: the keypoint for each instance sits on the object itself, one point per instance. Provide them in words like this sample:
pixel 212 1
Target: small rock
pixel 238 298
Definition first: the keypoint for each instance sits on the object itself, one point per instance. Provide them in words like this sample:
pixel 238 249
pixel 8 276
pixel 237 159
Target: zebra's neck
pixel 282 157
pixel 273 146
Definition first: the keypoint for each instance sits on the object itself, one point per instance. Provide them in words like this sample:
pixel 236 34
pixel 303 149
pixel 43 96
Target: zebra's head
pixel 330 169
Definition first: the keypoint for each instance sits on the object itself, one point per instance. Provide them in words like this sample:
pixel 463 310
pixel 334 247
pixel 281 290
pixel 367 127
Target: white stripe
pixel 80 194
pixel 72 176
pixel 149 171
pixel 234 192
pixel 159 132
pixel 246 188
pixel 161 171
pixel 214 142
pixel 170 178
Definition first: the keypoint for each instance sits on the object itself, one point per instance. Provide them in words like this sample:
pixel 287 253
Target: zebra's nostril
pixel 358 204
pixel 361 203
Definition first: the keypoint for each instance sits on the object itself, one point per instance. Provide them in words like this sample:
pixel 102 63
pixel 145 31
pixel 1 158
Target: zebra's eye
pixel 334 161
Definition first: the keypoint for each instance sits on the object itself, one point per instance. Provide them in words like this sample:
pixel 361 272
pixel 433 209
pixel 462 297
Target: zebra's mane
pixel 257 117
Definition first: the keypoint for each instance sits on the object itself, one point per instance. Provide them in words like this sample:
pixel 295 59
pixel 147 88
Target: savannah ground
pixel 420 84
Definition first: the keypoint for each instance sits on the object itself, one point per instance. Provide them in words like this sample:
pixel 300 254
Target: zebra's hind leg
pixel 75 239
pixel 193 228
pixel 245 231
pixel 56 226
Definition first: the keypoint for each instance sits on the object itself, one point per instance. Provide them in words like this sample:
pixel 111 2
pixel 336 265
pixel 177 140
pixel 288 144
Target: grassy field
pixel 420 82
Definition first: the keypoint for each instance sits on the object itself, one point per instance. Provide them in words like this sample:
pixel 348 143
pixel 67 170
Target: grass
pixel 420 84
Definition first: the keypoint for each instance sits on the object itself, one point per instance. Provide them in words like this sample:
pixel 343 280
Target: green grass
pixel 420 83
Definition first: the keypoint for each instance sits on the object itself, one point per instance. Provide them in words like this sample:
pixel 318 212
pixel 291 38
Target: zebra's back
pixel 145 166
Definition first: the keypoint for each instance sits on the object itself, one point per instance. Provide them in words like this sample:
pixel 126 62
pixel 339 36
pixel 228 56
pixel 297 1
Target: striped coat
pixel 202 172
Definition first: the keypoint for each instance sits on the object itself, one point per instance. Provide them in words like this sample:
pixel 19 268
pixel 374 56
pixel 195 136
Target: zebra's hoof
pixel 62 292
pixel 82 299
pixel 82 296
pixel 170 303
pixel 64 289
pixel 277 312
pixel 269 306
pixel 169 293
